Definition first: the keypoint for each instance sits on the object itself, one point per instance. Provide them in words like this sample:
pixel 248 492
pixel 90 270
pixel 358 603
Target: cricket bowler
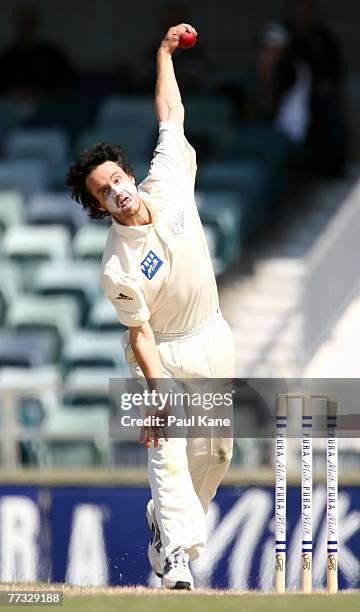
pixel 157 272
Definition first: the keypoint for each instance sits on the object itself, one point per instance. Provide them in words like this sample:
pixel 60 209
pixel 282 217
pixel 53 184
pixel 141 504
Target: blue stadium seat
pixel 127 110
pixel 52 208
pixel 137 142
pixel 25 175
pixel 51 144
pixel 24 350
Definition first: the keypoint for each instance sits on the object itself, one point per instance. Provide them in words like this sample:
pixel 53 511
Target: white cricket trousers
pixel 184 474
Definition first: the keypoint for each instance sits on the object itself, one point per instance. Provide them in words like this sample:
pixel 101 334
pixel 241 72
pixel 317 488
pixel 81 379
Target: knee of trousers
pixel 169 453
pixel 222 450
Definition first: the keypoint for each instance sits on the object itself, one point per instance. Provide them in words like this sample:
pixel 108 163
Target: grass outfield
pixel 153 600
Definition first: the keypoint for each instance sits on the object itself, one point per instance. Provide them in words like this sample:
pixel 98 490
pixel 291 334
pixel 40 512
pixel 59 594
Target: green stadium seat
pixel 261 141
pixel 221 216
pixel 250 178
pixel 89 242
pixel 134 139
pixel 10 287
pixel 89 386
pixel 103 316
pixel 11 209
pixel 207 112
pixel 56 317
pixel 72 113
pixel 80 280
pixel 31 246
pixel 76 438
pixel 87 349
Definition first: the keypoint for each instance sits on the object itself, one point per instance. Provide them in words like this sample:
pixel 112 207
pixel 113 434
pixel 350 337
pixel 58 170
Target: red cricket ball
pixel 187 40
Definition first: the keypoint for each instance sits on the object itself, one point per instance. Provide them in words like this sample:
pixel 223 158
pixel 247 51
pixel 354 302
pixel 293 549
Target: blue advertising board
pixel 92 535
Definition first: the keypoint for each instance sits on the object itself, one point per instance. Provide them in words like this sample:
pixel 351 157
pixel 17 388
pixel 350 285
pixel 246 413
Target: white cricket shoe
pixel 177 573
pixel 155 544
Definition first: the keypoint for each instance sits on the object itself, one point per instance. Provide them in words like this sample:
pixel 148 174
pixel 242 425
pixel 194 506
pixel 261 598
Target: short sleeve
pixel 127 298
pixel 174 158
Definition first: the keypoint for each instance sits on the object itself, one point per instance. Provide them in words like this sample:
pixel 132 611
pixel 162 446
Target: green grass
pixel 214 603
pixel 147 600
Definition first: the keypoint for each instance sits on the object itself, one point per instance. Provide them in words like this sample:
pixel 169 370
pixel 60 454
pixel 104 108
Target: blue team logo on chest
pixel 151 264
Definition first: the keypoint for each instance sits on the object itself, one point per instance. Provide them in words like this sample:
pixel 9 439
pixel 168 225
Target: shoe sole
pixel 181 586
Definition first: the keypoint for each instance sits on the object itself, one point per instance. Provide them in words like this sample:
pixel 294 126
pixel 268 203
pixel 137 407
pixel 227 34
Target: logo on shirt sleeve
pixel 122 296
pixel 151 264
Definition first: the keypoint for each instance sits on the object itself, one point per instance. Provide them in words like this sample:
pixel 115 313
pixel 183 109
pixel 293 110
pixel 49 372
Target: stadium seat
pixel 222 221
pixel 89 386
pixel 31 246
pixel 206 117
pixel 129 454
pixel 103 316
pixel 10 286
pixel 251 179
pixel 259 140
pixel 10 113
pixel 207 109
pixel 50 144
pixel 53 208
pixel 11 209
pixel 71 113
pixel 80 280
pixel 76 438
pixel 35 386
pixel 25 350
pixel 93 350
pixel 89 242
pixel 136 141
pixel 25 175
pixel 127 110
pixel 54 317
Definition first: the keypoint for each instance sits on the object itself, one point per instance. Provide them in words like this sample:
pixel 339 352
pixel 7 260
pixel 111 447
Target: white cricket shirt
pixel 162 272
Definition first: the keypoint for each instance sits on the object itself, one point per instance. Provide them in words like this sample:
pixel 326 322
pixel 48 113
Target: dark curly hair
pixel 87 162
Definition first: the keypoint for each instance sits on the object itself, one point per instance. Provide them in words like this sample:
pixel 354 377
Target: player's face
pixel 114 190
